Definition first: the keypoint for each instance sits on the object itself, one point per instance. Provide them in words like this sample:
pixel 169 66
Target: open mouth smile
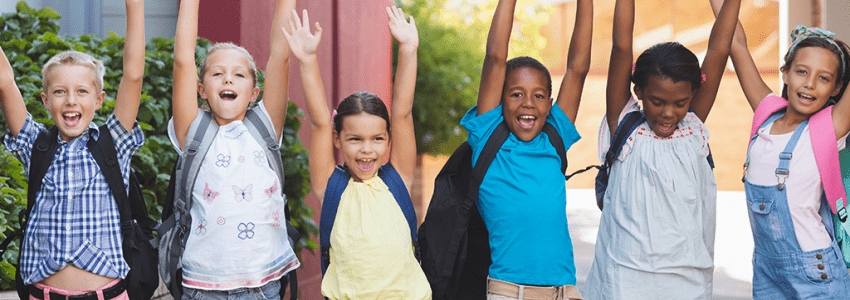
pixel 227 95
pixel 365 164
pixel 71 118
pixel 526 121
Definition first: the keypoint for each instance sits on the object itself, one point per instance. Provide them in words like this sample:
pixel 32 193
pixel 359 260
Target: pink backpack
pixel 822 131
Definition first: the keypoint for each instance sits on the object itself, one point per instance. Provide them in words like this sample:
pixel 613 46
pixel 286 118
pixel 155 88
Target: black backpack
pixel 453 239
pixel 136 226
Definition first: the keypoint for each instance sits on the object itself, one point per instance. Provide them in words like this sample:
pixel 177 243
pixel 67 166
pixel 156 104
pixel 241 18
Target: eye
pixel 59 92
pixel 802 72
pixel 516 95
pixel 82 91
pixel 240 75
pixel 823 78
pixel 216 74
pixel 354 139
pixel 540 96
pixel 380 138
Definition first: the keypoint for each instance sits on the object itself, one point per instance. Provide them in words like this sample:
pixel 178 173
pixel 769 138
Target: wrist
pixel 308 58
pixel 409 48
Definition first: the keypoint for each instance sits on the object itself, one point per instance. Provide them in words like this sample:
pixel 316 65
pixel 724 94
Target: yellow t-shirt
pixel 371 253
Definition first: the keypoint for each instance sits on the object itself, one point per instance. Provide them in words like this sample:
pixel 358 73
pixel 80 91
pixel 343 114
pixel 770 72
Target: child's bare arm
pixel 184 96
pixel 578 60
pixel 840 114
pixel 620 67
pixel 304 45
pixel 130 88
pixel 755 89
pixel 719 43
pixel 403 153
pixel 493 71
pixel 276 90
pixel 11 100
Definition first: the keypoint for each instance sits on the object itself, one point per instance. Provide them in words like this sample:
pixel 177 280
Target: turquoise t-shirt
pixel 523 201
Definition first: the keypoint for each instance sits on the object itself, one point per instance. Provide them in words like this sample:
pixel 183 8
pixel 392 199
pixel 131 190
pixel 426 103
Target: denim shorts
pixel 269 291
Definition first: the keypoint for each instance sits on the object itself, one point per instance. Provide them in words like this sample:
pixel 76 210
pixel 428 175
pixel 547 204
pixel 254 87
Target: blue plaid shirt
pixel 75 220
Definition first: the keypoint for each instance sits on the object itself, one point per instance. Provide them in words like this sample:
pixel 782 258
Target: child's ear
pixel 44 100
pixel 254 93
pixel 837 89
pixel 100 98
pixel 337 143
pixel 638 93
pixel 201 90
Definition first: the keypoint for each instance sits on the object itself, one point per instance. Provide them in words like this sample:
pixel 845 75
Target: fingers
pixel 285 34
pixel 306 21
pixel 390 15
pixel 318 34
pixel 412 22
pixel 294 21
pixel 399 13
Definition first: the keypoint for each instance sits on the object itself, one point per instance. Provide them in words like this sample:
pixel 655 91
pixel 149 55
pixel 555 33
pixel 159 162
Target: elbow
pixel 579 68
pixel 494 59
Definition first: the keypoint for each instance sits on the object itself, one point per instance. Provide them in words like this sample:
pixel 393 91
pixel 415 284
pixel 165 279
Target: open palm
pixel 404 32
pixel 302 42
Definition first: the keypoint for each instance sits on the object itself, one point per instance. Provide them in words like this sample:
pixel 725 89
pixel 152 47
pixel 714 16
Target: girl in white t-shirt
pixel 237 245
pixel 795 254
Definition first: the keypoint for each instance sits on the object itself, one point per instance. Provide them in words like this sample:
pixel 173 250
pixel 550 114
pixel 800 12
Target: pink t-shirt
pixel 803 185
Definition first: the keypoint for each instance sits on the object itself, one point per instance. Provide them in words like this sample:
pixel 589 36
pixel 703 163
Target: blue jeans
pixel 269 291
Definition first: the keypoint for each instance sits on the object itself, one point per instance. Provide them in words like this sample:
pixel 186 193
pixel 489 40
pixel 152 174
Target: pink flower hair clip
pixel 703 78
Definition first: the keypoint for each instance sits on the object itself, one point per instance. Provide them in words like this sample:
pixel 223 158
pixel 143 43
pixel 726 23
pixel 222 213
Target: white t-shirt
pixel 238 236
pixel 803 185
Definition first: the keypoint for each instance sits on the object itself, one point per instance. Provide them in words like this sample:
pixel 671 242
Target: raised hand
pixel 301 41
pixel 404 32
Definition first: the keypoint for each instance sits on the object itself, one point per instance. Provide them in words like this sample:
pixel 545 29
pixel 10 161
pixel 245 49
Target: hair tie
pixel 634 65
pixel 333 114
pixel 703 78
pixel 801 33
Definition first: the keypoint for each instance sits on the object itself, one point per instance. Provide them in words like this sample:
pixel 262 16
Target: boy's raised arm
pixel 11 100
pixel 578 60
pixel 130 88
pixel 276 90
pixel 403 151
pixel 617 92
pixel 184 96
pixel 304 44
pixel 755 89
pixel 493 71
pixel 719 43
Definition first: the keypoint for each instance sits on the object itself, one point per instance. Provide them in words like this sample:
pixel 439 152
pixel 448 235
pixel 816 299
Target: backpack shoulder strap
pixel 491 148
pixel 822 131
pixel 103 151
pixel 336 185
pixel 201 133
pixel 262 131
pixel 628 125
pixel 558 143
pixel 766 108
pixel 393 180
pixel 43 151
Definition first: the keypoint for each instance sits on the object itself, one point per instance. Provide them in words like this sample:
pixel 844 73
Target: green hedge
pixel 30 37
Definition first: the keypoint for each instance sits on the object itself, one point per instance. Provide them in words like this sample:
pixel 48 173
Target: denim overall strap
pixel 769 120
pixel 781 270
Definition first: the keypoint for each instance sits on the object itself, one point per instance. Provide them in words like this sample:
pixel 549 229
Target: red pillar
pixel 354 55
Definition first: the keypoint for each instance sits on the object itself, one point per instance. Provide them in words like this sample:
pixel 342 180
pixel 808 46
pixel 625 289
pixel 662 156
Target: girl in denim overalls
pixel 795 256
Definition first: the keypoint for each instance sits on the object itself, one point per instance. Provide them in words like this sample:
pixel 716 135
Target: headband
pixel 801 33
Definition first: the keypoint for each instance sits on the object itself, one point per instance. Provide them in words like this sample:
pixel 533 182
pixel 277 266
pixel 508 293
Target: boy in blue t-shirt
pixel 522 199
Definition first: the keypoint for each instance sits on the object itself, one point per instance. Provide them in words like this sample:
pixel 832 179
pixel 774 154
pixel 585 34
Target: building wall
pixel 836 18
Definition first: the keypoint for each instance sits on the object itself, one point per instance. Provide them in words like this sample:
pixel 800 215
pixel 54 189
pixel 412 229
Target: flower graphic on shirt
pixel 223 161
pixel 221 221
pixel 243 194
pixel 241 159
pixel 258 156
pixel 209 195
pixel 270 191
pixel 202 227
pixel 276 217
pixel 246 231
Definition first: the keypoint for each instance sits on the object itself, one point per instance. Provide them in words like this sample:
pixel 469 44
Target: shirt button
pixel 761 207
pixel 72 198
pixel 823 276
pixel 819 256
pixel 820 267
pixel 68 227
